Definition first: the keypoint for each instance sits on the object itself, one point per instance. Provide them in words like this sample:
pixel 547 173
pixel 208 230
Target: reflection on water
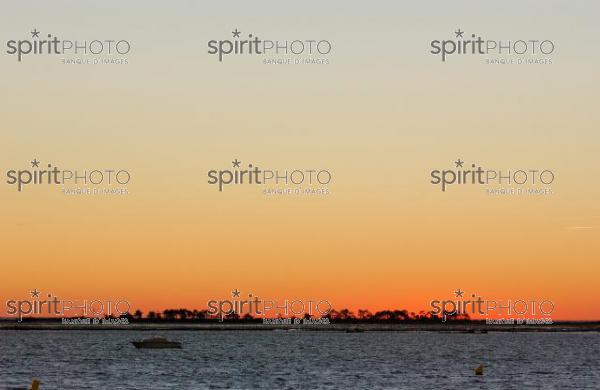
pixel 292 360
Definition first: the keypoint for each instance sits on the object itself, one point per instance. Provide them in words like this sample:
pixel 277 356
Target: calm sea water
pixel 300 360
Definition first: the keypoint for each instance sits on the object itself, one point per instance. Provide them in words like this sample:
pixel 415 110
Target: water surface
pixel 300 360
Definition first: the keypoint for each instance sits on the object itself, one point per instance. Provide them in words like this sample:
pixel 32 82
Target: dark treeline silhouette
pixel 343 315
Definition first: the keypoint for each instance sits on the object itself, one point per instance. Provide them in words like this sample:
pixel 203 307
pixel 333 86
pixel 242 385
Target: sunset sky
pixel 380 116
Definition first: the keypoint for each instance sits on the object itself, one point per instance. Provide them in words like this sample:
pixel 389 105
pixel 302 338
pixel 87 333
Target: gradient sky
pixel 380 116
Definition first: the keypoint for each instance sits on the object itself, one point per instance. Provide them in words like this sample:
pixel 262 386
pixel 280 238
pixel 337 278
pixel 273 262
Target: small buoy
pixel 35 385
pixel 479 370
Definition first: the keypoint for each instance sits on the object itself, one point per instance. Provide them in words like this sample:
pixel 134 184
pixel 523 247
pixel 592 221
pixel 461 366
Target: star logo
pixel 35 163
pixel 459 33
pixel 35 33
pixel 235 293
pixel 236 33
pixel 459 163
pixel 458 293
pixel 236 163
pixel 35 293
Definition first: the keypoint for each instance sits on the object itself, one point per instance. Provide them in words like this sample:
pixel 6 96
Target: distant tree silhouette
pixel 343 315
pixel 450 316
pixel 127 316
pixel 232 316
pixel 184 314
pixel 202 314
pixel 333 314
pixel 169 314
